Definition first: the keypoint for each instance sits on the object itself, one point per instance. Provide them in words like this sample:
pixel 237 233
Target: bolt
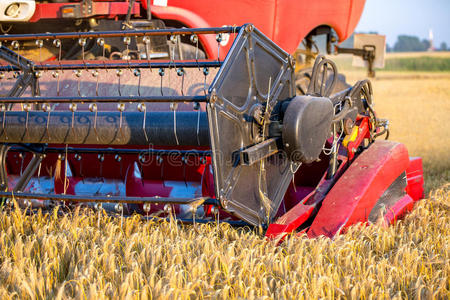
pixel 118 207
pixel 146 207
pixel 167 208
pixel 57 43
pixel 141 107
pixel 194 39
pixel 93 107
pixel 249 28
pixel 121 107
pixel 100 42
pixel 98 206
pixel 73 107
pixel 82 42
pixel 127 40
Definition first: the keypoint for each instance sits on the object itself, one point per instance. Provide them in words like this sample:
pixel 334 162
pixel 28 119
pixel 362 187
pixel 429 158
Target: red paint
pixel 290 221
pixel 286 22
pixel 414 176
pixel 100 8
pixel 356 192
pixel 400 208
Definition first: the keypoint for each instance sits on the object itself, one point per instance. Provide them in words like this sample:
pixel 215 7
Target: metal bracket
pixel 259 152
pixel 367 54
pixel 28 78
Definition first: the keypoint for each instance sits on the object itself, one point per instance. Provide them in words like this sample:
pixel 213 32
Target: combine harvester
pixel 177 128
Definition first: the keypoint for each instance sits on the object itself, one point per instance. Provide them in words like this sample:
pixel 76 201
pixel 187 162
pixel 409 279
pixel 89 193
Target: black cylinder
pixel 108 128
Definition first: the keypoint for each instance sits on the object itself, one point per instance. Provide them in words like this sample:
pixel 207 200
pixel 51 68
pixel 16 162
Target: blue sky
pixel 412 17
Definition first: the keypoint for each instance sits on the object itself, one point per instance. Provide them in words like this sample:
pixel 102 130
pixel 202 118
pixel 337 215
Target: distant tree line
pixel 410 43
pixel 405 43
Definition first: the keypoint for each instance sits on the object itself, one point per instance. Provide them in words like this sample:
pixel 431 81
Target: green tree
pixel 409 43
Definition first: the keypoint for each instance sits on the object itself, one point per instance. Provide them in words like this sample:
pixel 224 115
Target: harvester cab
pixel 196 139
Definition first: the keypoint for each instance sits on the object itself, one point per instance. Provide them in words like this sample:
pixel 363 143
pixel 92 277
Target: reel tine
pixel 205 72
pixel 121 108
pixel 47 108
pixel 78 157
pixel 16 47
pixel 21 156
pixel 40 43
pixel 3 109
pixel 55 74
pixel 39 171
pixel 93 108
pixel 73 109
pixel 142 108
pixel 142 163
pixel 66 166
pixel 173 107
pixel 161 74
pixel 82 43
pixel 147 43
pixel 180 72
pixel 101 158
pixel 184 162
pixel 119 73
pixel 118 158
pixel 197 108
pixel 57 44
pixel 127 42
pixel 95 75
pixel 194 40
pixel 137 73
pixel 173 39
pixel 78 75
pixel 160 162
pixel 101 43
pixel 147 207
pixel 219 39
pixel 26 108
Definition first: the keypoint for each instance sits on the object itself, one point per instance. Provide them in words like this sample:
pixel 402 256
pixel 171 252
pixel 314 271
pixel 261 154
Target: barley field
pixel 84 256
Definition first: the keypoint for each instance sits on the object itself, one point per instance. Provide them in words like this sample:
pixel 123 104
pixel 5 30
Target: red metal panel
pixel 286 22
pixel 354 195
pixel 295 19
pixel 400 208
pixel 206 13
pixel 108 9
pixel 290 221
pixel 414 176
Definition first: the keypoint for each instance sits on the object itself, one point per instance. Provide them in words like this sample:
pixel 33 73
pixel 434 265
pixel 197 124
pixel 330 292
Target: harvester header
pixel 197 139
